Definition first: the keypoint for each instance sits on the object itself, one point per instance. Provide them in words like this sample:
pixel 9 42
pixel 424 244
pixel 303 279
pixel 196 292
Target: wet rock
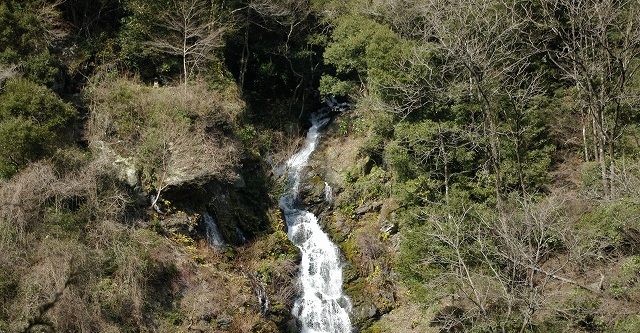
pixel 371 311
pixel 365 313
pixel 293 326
pixel 240 211
pixel 387 210
pixel 224 322
pixel 312 194
pixel 240 183
pixel 343 228
pixel 181 223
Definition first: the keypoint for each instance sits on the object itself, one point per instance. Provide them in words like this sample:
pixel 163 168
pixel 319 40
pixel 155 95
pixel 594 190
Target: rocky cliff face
pixel 240 208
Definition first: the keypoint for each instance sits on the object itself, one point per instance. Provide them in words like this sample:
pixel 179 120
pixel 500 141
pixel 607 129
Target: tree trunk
pixel 611 166
pixel 518 143
pixel 244 61
pixel 445 161
pixel 602 158
pixel 494 143
pixel 184 57
pixel 596 156
pixel 584 136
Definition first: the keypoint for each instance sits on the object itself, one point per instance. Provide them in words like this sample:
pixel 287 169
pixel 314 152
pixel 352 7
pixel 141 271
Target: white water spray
pixel 322 307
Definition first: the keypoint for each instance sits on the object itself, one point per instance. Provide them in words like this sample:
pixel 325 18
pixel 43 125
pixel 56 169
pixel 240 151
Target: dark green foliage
pixel 138 25
pixel 474 162
pixel 33 123
pixel 27 29
pixel 274 54
pixel 425 241
pixel 361 50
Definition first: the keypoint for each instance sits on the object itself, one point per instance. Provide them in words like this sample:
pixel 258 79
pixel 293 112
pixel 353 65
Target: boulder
pixel 181 223
pixel 125 167
pixel 313 195
pixel 368 207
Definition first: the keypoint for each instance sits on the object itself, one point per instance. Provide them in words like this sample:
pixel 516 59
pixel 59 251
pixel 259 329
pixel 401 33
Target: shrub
pixel 170 132
pixel 33 121
pixel 361 49
pixel 629 324
pixel 626 284
pixel 582 311
pixel 613 225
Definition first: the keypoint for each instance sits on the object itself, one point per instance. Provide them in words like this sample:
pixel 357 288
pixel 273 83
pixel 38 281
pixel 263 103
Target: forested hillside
pixel 481 173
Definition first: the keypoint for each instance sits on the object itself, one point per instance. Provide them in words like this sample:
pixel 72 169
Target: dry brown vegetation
pixel 78 250
pixel 173 134
pixel 76 257
pixel 47 217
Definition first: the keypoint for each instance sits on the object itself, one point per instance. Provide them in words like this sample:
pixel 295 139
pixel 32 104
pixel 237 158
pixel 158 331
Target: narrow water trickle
pixel 322 307
pixel 214 238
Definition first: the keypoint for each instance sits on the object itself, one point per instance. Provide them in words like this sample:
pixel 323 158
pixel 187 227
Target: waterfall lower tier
pixel 322 307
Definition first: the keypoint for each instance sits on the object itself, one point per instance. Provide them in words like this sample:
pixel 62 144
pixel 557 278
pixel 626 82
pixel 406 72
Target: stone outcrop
pixel 238 203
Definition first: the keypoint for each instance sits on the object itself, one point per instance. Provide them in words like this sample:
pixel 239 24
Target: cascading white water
pixel 322 307
pixel 214 238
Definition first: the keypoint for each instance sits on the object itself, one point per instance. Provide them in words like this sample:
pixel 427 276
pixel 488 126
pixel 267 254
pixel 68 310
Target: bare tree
pixel 520 87
pixel 517 248
pixel 49 15
pixel 189 30
pixel 482 45
pixel 505 260
pixel 598 51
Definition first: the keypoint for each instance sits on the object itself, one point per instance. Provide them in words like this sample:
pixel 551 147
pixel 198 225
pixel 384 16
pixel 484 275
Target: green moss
pixel 375 328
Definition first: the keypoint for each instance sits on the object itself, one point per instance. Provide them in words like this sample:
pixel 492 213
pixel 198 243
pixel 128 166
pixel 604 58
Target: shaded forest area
pixel 487 177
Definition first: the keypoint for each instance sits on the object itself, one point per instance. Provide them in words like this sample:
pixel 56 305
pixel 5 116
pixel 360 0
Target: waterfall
pixel 322 307
pixel 328 193
pixel 214 238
